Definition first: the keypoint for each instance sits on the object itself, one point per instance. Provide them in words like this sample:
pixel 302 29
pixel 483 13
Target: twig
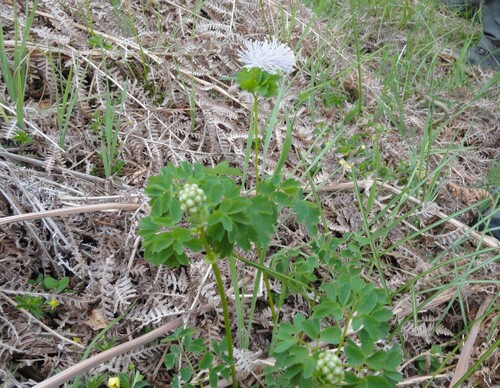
pixel 465 354
pixel 107 355
pixel 42 163
pixel 71 210
pixel 413 381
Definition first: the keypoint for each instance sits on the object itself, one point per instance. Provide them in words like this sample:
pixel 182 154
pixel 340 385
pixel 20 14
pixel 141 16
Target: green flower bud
pixel 191 198
pixel 329 369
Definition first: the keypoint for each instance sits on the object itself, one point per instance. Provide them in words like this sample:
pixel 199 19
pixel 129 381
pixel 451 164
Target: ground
pixel 393 136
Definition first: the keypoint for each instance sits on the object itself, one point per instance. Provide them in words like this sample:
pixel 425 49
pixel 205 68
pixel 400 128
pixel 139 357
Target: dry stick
pixel 39 49
pixel 413 381
pixel 465 354
pixel 71 210
pixel 31 317
pixel 42 163
pixel 107 355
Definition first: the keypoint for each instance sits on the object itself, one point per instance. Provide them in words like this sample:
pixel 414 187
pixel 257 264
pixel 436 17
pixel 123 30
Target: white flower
pixel 270 56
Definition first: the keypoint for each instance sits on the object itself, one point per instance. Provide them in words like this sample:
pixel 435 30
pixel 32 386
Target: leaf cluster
pixel 258 82
pixel 346 301
pixel 215 362
pixel 229 218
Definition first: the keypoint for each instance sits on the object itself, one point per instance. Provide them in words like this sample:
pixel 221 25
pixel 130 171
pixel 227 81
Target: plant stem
pixel 263 12
pixel 256 137
pixel 354 18
pixel 212 259
pixel 227 324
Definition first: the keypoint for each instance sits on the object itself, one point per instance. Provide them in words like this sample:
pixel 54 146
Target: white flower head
pixel 270 56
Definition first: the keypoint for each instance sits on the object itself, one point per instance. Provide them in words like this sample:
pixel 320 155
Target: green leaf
pixel 213 377
pixel 249 79
pixel 194 244
pixel 382 314
pixel 374 382
pixel 309 367
pixel 222 169
pixel 331 335
pixel 170 360
pixel 394 376
pixel 350 378
pixel 367 303
pixel 394 358
pixel 293 370
pixel 178 334
pixel 162 241
pixel 175 210
pixel 311 327
pixel 377 360
pixel 344 293
pixel 196 346
pixel 263 214
pixel 186 373
pixel 50 283
pixel 283 346
pixel 367 341
pixel 354 354
pixel 328 308
pixel 266 187
pixel 206 361
pixel 297 355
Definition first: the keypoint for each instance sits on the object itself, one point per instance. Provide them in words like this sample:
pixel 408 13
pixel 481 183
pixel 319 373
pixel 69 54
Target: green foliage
pixel 228 219
pixel 56 285
pixel 258 82
pixel 22 137
pixel 214 363
pixel 33 304
pixel 105 344
pixel 15 78
pixel 134 380
pixel 91 382
pixel 99 42
pixel 108 127
pixel 350 301
pixel 51 284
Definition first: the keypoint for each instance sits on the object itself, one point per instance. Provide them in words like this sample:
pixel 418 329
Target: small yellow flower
pixel 363 146
pixel 114 382
pixel 348 166
pixel 53 303
pixel 341 162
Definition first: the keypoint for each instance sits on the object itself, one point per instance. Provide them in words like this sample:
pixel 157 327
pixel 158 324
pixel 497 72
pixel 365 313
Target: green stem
pixel 270 298
pixel 227 323
pixel 256 137
pixel 354 12
pixel 212 259
pixel 344 333
pixel 237 300
pixel 263 12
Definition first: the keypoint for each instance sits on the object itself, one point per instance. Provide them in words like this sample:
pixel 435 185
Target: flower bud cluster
pixel 191 197
pixel 329 368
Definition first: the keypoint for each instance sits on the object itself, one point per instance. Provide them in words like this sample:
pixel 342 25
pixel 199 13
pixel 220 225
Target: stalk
pixel 212 259
pixel 256 137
